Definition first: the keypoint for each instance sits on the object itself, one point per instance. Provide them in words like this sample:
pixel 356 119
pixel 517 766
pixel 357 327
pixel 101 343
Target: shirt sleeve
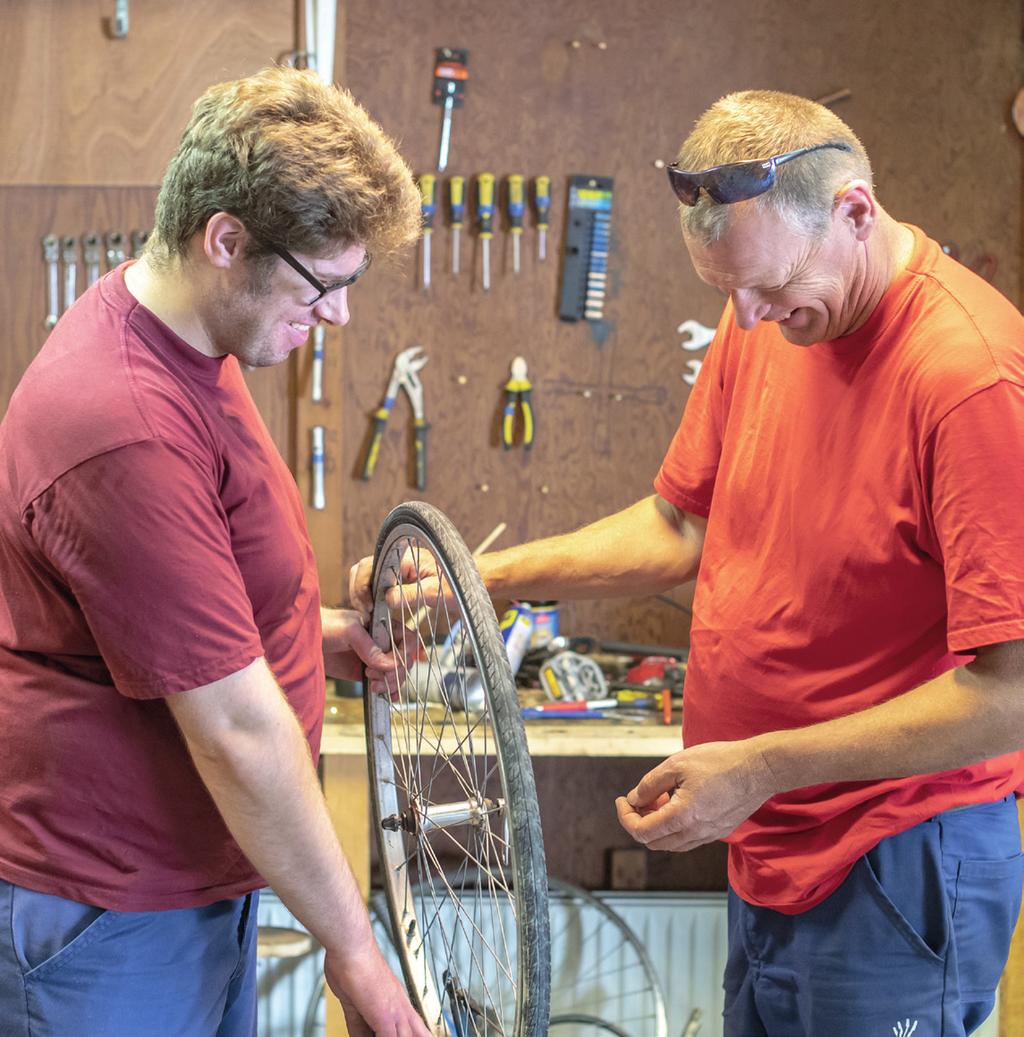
pixel 141 539
pixel 974 470
pixel 687 474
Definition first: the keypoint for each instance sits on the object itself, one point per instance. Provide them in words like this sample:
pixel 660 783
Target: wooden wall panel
pixel 30 212
pixel 81 108
pixel 931 85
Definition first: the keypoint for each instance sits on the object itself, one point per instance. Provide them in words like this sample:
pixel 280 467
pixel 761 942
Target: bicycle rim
pixel 455 810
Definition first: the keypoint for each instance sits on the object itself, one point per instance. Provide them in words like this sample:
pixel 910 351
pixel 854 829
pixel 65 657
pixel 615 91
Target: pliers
pixel 403 376
pixel 517 390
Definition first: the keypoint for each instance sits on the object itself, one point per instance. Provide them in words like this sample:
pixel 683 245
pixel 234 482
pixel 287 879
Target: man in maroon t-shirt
pixel 162 643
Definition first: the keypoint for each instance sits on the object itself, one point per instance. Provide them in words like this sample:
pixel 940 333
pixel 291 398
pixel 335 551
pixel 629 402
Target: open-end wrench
pixel 317 459
pixel 700 336
pixel 694 365
pixel 318 364
pixel 51 256
pixel 115 249
pixel 91 255
pixel 69 256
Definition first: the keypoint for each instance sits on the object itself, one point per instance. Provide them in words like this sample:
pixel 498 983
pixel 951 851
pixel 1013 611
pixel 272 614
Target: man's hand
pixel 697 796
pixel 348 647
pixel 420 584
pixel 372 998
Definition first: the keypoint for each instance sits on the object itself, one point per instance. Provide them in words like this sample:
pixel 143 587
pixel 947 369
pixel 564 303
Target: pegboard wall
pixel 582 86
pixel 593 86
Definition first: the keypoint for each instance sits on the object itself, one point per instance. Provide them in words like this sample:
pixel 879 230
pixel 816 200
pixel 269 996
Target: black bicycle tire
pixel 581 1019
pixel 529 869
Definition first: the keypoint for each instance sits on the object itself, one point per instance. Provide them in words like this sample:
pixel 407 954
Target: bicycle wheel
pixel 581 1025
pixel 600 967
pixel 455 813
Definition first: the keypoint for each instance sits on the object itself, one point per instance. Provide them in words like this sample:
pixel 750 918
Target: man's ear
pixel 855 205
pixel 224 239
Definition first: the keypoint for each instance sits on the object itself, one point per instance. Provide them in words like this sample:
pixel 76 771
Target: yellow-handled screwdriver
pixel 516 207
pixel 427 185
pixel 542 199
pixel 458 209
pixel 485 221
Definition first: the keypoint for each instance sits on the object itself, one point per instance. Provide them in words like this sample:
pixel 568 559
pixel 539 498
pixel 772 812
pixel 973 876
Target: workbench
pixel 346 785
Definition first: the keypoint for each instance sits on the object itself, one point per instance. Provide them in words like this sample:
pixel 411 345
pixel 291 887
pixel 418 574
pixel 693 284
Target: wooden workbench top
pixel 616 737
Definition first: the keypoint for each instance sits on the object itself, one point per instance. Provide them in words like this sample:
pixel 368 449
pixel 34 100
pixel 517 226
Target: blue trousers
pixel 912 943
pixel 72 970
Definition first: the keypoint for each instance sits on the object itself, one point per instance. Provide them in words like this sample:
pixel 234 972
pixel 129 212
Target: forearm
pixel 959 718
pixel 260 775
pixel 644 549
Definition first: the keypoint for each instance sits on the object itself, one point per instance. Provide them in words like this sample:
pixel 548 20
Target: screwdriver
pixel 458 209
pixel 427 183
pixel 542 199
pixel 515 215
pixel 485 221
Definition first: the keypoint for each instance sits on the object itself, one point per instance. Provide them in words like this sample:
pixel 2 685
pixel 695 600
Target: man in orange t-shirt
pixel 849 477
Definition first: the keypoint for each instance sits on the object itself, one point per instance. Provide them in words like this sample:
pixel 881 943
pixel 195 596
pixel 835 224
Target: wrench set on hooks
pixel 94 253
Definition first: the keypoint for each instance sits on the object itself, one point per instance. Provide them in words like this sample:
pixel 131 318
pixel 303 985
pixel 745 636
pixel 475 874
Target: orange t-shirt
pixel 865 505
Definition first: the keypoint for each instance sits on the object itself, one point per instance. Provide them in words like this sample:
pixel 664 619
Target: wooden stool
pixel 276 942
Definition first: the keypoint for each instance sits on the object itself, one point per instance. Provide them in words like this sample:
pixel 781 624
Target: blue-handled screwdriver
pixel 542 200
pixel 485 220
pixel 457 204
pixel 427 185
pixel 516 208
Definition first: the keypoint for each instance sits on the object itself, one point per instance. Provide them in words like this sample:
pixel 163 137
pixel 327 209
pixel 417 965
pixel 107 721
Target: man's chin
pixel 797 336
pixel 253 363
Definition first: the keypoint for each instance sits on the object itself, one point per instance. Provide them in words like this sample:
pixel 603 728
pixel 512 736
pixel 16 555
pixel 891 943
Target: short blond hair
pixel 298 161
pixel 757 124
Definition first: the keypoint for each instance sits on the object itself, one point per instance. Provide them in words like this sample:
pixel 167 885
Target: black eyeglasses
pixel 322 289
pixel 736 181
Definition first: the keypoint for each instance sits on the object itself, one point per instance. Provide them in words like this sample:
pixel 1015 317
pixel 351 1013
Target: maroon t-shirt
pixel 152 540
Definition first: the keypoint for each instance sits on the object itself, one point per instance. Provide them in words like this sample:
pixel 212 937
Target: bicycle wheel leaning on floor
pixel 455 814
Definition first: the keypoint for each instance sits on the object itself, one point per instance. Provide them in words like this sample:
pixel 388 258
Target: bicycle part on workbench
pixel 570 676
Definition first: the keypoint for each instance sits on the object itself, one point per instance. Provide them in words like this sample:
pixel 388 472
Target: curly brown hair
pixel 298 161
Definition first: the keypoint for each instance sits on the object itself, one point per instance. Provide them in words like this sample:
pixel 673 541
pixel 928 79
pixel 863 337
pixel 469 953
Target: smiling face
pixel 262 319
pixel 810 287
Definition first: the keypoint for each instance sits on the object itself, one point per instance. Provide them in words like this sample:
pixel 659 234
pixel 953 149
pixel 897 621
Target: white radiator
pixel 684 935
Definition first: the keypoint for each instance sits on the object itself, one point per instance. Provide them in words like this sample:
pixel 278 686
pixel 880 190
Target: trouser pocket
pixel 46 930
pixel 987 903
pixel 905 877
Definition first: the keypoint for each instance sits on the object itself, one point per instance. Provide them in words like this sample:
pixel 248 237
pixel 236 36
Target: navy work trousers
pixel 912 944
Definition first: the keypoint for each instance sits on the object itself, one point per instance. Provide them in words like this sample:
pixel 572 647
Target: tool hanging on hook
pixel 403 376
pixel 450 75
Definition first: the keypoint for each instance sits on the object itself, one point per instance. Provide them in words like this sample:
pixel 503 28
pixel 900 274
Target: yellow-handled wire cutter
pixel 517 391
pixel 403 376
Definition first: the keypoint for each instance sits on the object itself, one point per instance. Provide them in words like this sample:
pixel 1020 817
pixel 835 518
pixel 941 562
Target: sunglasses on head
pixel 322 289
pixel 736 181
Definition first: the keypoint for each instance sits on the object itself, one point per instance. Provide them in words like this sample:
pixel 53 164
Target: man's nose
pixel 333 308
pixel 748 307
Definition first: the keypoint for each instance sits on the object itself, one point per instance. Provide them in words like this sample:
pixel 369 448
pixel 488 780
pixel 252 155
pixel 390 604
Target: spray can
pixel 451 686
pixel 517 631
pixel 545 623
